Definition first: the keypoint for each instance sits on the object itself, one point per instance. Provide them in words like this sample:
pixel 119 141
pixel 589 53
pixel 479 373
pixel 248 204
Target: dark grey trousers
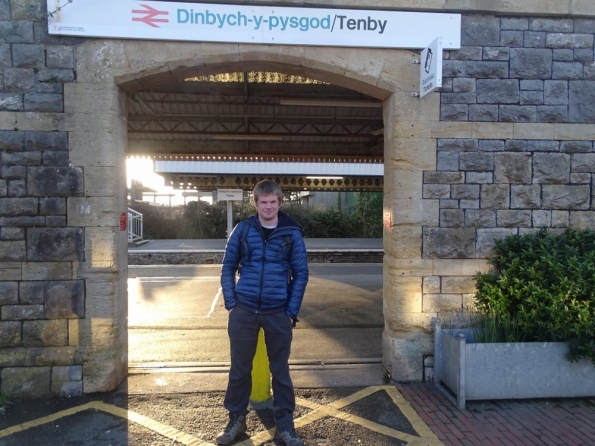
pixel 243 331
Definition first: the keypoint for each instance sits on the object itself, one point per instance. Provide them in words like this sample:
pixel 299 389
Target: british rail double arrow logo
pixel 149 16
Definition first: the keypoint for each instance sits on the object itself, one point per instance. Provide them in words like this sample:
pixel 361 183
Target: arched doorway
pixel 110 70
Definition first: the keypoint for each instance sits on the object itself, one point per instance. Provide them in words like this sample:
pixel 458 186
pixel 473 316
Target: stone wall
pixel 46 251
pixel 39 296
pixel 527 79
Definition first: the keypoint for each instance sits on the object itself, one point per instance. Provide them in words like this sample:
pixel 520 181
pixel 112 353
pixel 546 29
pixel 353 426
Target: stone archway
pixel 96 121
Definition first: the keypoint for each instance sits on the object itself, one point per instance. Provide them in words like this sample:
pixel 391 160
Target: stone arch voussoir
pixel 369 71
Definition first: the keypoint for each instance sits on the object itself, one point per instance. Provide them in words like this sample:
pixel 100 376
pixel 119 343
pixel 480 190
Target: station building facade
pixel 504 147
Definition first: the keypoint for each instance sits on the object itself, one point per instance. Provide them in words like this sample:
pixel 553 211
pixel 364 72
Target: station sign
pixel 230 194
pixel 159 20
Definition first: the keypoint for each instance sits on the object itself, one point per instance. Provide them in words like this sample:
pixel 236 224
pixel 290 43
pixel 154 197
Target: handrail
pixel 135 225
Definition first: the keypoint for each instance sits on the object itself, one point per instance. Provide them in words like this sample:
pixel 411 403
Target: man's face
pixel 267 207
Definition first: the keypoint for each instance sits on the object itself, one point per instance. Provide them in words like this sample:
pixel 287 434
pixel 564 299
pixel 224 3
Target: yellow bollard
pixel 261 375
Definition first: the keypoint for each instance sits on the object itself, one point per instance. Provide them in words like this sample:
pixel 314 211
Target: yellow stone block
pixel 405 183
pixel 582 7
pixel 574 132
pixel 401 294
pixel 459 267
pixel 413 153
pixel 533 131
pixel 403 242
pixel 408 267
pixel 452 130
pixel 416 212
pixel 493 130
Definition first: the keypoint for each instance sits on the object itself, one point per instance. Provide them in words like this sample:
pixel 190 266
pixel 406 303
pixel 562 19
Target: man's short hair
pixel 267 187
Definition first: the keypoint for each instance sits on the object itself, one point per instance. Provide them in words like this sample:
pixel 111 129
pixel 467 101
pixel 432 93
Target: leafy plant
pixel 547 283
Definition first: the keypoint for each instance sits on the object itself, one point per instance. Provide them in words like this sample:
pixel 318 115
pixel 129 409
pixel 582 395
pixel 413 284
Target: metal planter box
pixel 517 370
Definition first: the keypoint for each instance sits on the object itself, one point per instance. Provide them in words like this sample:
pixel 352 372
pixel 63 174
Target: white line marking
pixel 219 294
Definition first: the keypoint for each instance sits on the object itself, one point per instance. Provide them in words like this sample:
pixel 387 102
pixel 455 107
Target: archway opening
pixel 253 120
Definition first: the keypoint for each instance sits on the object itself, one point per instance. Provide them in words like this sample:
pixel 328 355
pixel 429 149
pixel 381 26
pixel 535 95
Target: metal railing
pixel 135 225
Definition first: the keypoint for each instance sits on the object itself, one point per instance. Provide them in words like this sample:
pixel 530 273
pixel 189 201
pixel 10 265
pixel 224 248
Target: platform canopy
pixel 258 116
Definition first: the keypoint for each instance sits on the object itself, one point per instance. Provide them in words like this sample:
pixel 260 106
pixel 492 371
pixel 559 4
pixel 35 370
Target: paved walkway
pixel 521 422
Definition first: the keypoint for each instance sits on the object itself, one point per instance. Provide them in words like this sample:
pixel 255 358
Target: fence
pixel 135 225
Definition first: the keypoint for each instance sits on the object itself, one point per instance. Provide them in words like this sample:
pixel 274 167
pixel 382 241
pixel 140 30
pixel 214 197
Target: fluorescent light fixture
pixel 323 103
pixel 324 178
pixel 248 137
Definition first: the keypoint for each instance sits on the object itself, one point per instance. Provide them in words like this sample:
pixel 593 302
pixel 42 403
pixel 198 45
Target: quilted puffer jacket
pixel 269 279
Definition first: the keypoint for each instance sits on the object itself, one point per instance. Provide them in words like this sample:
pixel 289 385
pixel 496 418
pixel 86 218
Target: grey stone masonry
pixel 52 333
pixel 512 168
pixel 566 197
pixel 39 253
pixel 551 168
pixel 507 184
pixel 26 382
pixel 447 243
pixel 55 244
pixel 10 333
pixel 65 299
pixel 559 52
pixel 9 293
pixel 525 197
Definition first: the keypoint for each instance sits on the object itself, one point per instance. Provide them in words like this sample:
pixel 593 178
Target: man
pixel 269 253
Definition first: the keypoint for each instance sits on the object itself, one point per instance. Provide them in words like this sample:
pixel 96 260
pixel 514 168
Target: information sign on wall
pixel 430 73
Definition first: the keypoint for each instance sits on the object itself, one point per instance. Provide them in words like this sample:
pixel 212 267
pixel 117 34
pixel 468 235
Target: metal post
pixel 437 352
pixel 461 381
pixel 229 218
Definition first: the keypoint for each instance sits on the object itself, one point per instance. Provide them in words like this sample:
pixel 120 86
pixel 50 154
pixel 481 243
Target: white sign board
pixel 430 73
pixel 230 194
pixel 134 19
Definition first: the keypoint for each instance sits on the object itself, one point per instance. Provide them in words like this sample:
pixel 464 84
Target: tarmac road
pixel 177 317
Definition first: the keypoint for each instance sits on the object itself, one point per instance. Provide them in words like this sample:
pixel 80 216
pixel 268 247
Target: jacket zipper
pixel 264 249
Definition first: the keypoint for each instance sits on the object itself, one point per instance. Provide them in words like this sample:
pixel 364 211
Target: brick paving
pixel 505 422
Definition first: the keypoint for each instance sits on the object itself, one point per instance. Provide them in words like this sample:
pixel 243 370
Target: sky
pixel 142 169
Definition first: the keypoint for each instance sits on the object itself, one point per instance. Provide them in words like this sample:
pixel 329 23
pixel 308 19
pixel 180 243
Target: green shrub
pixel 160 222
pixel 201 220
pixel 321 222
pixel 547 282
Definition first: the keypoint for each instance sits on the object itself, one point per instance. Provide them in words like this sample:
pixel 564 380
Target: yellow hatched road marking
pixel 426 438
pixel 38 422
pixel 160 428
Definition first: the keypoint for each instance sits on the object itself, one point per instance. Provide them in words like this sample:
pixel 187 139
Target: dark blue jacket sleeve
pixel 231 262
pixel 300 275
